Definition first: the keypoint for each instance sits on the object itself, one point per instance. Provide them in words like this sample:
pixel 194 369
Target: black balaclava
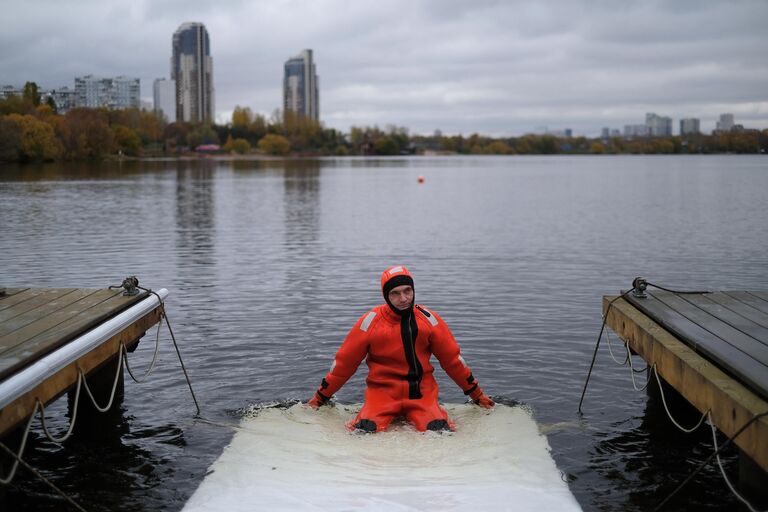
pixel 394 282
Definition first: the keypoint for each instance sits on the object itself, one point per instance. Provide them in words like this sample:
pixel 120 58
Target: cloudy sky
pixel 489 66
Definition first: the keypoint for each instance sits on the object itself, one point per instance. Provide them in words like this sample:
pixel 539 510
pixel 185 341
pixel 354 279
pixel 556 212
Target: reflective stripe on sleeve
pixel 367 321
pixel 429 315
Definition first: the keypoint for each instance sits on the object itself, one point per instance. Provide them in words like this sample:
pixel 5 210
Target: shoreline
pixel 271 158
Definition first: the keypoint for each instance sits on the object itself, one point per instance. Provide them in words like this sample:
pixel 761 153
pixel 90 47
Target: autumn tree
pixel 303 132
pixel 9 140
pixel 258 127
pixel 175 135
pixel 14 104
pixel 273 144
pixel 85 133
pixel 202 134
pixel 126 140
pixel 31 94
pixel 36 139
pixel 385 146
pixel 499 147
pixel 242 117
pixel 150 127
pixel 52 104
pixel 239 146
pixel 597 148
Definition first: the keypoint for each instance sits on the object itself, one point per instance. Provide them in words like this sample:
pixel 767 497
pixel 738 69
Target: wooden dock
pixel 710 347
pixel 36 324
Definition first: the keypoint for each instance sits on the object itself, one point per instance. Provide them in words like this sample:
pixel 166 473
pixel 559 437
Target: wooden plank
pixel 16 298
pixel 757 300
pixel 736 338
pixel 736 362
pixel 81 306
pixel 704 385
pixel 19 410
pixel 24 315
pixel 45 296
pixel 53 333
pixel 734 313
pixel 729 300
pixel 7 292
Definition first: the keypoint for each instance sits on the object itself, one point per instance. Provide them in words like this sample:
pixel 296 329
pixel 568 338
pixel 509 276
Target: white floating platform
pixel 302 459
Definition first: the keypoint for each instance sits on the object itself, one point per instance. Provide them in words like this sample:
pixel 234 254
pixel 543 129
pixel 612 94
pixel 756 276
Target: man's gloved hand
pixel 317 401
pixel 481 399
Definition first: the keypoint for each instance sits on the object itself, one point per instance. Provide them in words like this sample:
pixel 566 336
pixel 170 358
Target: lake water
pixel 269 263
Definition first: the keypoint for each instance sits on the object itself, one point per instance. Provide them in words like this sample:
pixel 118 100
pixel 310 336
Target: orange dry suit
pixel 397 346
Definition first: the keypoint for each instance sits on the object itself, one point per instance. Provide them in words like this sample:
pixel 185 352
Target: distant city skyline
pixel 164 105
pixel 494 68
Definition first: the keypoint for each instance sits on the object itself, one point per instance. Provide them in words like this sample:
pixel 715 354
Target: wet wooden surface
pixel 704 367
pixel 729 328
pixel 37 321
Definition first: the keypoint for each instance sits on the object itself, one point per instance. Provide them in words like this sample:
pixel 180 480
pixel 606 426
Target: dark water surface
pixel 268 265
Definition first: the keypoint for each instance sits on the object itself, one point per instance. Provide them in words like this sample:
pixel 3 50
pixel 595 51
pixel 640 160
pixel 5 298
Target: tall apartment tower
pixel 725 123
pixel 690 126
pixel 300 86
pixel 192 70
pixel 164 95
pixel 658 126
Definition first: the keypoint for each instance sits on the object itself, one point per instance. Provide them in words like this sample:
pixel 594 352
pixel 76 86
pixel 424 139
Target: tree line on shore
pixel 32 131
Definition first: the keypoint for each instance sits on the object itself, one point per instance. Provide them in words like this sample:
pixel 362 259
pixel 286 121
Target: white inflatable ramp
pixel 298 458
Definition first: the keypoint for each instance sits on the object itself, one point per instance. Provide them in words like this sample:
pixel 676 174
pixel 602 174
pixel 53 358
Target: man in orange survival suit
pixel 397 339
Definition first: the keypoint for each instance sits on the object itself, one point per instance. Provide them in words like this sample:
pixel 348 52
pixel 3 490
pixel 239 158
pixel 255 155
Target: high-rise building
pixel 689 126
pixel 635 130
pixel 192 70
pixel 164 94
pixel 658 126
pixel 6 91
pixel 63 98
pixel 300 86
pixel 725 123
pixel 118 92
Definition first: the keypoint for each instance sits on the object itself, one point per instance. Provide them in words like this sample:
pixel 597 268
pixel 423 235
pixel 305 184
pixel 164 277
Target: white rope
pixel 39 406
pixel 664 401
pixel 707 414
pixel 610 351
pixel 154 357
pixel 114 385
pixel 82 382
pixel 72 421
pixel 41 477
pixel 720 464
pixel 632 371
pixel 17 458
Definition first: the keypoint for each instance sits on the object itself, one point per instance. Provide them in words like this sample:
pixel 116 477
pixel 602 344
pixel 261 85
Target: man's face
pixel 401 296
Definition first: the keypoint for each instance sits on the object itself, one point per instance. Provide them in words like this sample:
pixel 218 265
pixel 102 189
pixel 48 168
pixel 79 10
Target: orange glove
pixel 481 398
pixel 317 401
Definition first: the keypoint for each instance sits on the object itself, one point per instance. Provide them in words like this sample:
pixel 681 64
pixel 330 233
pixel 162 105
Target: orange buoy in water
pixel 421 179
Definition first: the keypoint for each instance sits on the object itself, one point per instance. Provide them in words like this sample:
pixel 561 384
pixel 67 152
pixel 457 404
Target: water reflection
pixel 646 457
pixel 301 203
pixel 104 457
pixel 195 215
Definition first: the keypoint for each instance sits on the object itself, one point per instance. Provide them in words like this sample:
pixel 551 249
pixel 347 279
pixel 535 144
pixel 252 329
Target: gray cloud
pixel 493 67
